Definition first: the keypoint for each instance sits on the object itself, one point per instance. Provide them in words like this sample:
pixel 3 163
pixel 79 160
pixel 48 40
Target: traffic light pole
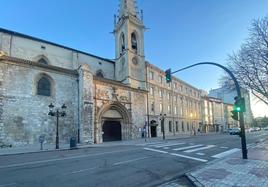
pixel 241 115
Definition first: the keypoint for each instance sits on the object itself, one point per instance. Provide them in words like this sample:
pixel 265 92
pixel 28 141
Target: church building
pixel 106 100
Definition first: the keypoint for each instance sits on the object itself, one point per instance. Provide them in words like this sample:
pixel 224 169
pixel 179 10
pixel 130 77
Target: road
pixel 144 164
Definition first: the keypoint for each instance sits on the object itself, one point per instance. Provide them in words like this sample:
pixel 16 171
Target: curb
pixel 41 151
pixel 193 180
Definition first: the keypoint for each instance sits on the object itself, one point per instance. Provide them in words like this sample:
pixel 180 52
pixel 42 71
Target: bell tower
pixel 129 45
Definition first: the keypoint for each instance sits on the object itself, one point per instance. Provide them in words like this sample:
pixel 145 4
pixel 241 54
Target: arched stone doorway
pixel 112 123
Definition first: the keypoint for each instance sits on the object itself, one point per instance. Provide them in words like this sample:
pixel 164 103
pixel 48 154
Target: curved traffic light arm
pixel 241 116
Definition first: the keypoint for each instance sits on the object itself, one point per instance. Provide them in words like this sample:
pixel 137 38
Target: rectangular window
pixel 168 96
pixel 161 93
pixel 151 90
pixel 175 86
pixel 170 126
pixel 160 79
pixel 175 110
pixel 151 74
pixel 161 107
pixel 169 109
pixel 177 126
pixel 182 126
pixel 152 106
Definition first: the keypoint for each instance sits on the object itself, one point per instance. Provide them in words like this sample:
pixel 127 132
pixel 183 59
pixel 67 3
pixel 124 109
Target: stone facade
pixel 24 112
pixel 106 99
pixel 178 100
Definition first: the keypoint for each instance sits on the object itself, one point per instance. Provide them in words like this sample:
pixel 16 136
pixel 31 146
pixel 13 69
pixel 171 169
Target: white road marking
pixel 200 148
pixel 10 184
pixel 80 171
pixel 167 145
pixel 201 154
pixel 188 147
pixel 155 150
pixel 224 147
pixel 59 159
pixel 142 144
pixel 189 157
pixel 166 148
pixel 128 161
pixel 225 153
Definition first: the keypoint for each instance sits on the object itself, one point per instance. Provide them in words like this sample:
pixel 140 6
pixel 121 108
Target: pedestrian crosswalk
pixel 190 150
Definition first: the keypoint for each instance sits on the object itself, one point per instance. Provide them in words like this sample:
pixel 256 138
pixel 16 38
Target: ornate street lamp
pixel 58 114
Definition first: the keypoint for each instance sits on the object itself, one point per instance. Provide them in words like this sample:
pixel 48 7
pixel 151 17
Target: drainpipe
pixel 78 111
pixel 148 117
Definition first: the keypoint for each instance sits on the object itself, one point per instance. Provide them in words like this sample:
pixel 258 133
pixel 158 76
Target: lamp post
pixel 58 114
pixel 162 118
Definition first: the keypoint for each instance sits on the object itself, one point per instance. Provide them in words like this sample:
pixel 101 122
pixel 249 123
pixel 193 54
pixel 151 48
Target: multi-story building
pixel 228 120
pixel 106 99
pixel 228 95
pixel 179 101
pixel 207 124
pixel 213 115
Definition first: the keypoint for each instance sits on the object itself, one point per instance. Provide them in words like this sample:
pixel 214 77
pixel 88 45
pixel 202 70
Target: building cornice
pixel 23 62
pixel 154 67
pixel 117 83
pixel 13 33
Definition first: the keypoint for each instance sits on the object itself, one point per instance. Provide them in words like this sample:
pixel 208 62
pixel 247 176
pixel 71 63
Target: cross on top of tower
pixel 128 7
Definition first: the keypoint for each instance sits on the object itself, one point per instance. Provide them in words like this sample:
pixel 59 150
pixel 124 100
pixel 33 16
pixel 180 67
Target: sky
pixel 180 32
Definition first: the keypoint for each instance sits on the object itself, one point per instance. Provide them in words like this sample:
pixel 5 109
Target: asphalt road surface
pixel 144 164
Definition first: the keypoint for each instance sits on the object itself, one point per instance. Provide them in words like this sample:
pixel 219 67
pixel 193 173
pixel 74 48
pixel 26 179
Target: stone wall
pixel 25 114
pixel 127 101
pixel 31 49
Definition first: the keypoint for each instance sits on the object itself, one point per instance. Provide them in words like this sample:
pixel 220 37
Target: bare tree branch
pixel 250 63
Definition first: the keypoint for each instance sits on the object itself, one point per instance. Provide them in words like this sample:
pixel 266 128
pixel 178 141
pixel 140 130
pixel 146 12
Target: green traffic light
pixel 238 109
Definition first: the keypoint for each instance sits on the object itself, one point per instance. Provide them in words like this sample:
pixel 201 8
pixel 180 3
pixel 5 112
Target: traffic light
pixel 234 115
pixel 239 105
pixel 168 75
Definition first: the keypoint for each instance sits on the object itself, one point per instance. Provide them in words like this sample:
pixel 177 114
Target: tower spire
pixel 128 7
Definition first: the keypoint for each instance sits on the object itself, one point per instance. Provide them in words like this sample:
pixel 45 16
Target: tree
pixel 250 63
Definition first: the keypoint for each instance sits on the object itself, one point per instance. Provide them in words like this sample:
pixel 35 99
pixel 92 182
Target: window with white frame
pixel 160 93
pixel 160 107
pixel 151 75
pixel 160 79
pixel 151 91
pixel 169 109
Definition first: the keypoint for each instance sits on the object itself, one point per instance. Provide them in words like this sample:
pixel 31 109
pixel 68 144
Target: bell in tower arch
pixel 134 43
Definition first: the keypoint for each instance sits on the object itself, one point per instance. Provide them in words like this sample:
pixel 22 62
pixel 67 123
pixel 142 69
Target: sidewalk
pixel 235 171
pixel 34 148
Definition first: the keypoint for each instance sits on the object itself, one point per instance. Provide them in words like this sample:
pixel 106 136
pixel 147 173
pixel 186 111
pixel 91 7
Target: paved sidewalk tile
pixel 233 172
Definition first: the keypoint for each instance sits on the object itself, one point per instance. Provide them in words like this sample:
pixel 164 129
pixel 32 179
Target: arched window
pixel 122 42
pixel 44 87
pixel 42 61
pixel 100 74
pixel 134 43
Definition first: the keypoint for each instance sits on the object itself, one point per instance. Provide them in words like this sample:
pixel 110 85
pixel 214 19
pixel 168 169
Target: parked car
pixel 234 131
pixel 265 128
